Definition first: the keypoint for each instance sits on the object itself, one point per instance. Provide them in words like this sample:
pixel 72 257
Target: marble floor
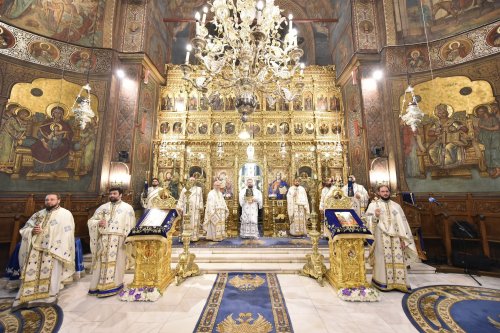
pixel 312 308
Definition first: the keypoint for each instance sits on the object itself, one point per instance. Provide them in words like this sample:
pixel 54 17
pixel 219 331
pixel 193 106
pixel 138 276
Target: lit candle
pixel 302 66
pixel 205 11
pixel 260 6
pixel 197 18
pixel 290 22
pixel 188 53
pixel 294 37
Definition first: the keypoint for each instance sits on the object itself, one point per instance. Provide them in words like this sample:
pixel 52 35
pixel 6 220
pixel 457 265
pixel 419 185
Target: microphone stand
pixel 462 239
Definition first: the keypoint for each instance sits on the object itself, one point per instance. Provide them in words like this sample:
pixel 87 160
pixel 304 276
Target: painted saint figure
pixel 250 199
pixel 298 208
pixel 108 228
pixel 12 131
pixel 51 151
pixel 47 254
pixel 278 188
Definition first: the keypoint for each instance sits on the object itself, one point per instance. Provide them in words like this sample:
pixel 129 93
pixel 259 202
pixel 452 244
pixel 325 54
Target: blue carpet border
pixel 218 288
pixel 411 318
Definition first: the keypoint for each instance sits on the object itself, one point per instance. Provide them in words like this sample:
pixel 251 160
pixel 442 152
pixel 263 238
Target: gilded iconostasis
pixel 454 72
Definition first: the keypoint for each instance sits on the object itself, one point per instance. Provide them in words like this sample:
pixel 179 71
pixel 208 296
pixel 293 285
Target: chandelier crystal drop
pixel 244 53
pixel 82 108
pixel 414 115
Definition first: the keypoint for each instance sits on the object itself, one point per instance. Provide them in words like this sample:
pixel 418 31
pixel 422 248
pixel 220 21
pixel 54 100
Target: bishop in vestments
pixel 47 254
pixel 216 213
pixel 357 191
pixel 195 205
pixel 393 243
pixel 298 209
pixel 108 228
pixel 250 200
pixel 153 191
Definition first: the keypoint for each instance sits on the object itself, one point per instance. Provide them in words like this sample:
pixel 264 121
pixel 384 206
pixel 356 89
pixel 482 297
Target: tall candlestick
pixel 188 53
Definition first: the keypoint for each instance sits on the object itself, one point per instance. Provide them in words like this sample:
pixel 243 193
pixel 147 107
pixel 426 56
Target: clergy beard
pixel 385 199
pixel 113 200
pixel 49 208
pixel 250 186
pixel 328 185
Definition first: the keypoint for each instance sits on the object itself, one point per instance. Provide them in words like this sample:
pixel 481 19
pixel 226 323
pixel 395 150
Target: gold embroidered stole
pixel 395 265
pixel 38 266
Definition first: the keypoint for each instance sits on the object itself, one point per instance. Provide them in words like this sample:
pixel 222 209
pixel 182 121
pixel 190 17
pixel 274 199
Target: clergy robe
pixel 107 246
pixel 250 213
pixel 391 230
pixel 298 210
pixel 358 189
pixel 46 259
pixel 216 213
pixel 324 192
pixel 195 207
pixel 152 193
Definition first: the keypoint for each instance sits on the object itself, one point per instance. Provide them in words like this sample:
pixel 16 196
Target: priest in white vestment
pixel 46 255
pixel 394 247
pixel 250 199
pixel 195 205
pixel 324 192
pixel 108 228
pixel 358 192
pixel 297 208
pixel 216 213
pixel 153 191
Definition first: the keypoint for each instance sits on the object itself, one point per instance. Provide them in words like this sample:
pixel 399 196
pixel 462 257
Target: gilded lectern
pixel 347 235
pixel 151 240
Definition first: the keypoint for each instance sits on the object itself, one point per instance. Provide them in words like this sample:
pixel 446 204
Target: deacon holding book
pixel 193 205
pixel 250 200
pixel 150 192
pixel 108 228
pixel 216 213
pixel 46 255
pixel 298 209
pixel 393 242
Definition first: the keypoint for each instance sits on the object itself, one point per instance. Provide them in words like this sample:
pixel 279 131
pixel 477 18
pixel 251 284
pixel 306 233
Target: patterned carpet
pixel 302 242
pixel 449 308
pixel 247 303
pixel 44 319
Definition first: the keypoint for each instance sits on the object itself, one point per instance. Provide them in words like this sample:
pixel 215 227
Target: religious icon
pixel 230 128
pixel 217 128
pixel 493 38
pixel 297 104
pixel 323 128
pixel 271 128
pixel 308 101
pixel 164 128
pixel 284 128
pixel 456 50
pixel 193 103
pixel 298 128
pixel 322 103
pixel 230 103
pixel 204 103
pixel 43 51
pixel 336 129
pixel 7 40
pixel 334 103
pixel 83 60
pixel 203 128
pixel 270 103
pixel 177 128
pixel 309 128
pixel 191 127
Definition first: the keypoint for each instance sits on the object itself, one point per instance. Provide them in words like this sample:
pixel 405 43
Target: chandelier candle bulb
pixel 197 18
pixel 290 22
pixel 188 53
pixel 260 6
pixel 204 18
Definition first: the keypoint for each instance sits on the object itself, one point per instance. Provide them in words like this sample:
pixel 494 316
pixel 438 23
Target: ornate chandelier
pixel 82 108
pixel 245 53
pixel 413 116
